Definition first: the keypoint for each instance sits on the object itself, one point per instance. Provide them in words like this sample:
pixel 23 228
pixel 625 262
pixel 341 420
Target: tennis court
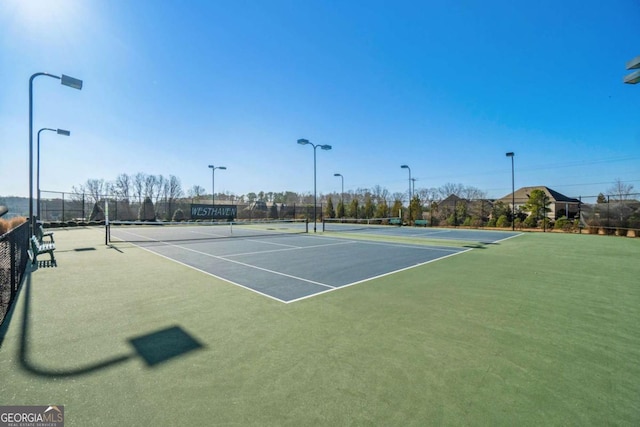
pixel 545 320
pixel 281 261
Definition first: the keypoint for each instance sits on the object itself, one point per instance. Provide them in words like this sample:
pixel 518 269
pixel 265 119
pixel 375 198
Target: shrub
pixel 7 225
pixel 561 223
pixel 97 213
pixel 530 222
pixel 476 222
pixel 147 211
pixel 178 215
pixel 492 222
pixel 502 221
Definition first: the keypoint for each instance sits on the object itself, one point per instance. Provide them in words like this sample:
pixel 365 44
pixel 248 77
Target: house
pixel 558 204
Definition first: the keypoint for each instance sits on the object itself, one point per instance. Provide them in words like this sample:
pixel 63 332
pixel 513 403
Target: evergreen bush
pixel 147 211
pixel 502 221
pixel 178 215
pixel 97 213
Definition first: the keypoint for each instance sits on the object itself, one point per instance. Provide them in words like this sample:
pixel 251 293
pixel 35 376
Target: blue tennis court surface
pixel 290 268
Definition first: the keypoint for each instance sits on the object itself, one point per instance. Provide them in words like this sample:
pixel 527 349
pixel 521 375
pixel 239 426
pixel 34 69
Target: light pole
pixel 60 132
pixel 513 193
pixel 410 192
pixel 342 193
pixel 66 81
pixel 213 191
pixel 315 201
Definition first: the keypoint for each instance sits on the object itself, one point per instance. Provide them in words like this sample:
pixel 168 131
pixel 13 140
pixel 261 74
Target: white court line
pixel 376 277
pixel 400 245
pixel 507 238
pixel 291 249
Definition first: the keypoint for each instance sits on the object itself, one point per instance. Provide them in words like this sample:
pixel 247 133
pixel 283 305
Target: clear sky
pixel 447 87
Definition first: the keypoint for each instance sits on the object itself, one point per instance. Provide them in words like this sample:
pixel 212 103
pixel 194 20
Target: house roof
pixel 522 195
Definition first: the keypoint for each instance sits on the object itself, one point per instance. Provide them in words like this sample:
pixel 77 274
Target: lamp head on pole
pixel 337 174
pixel 222 167
pixel 634 77
pixel 303 141
pixel 325 147
pixel 71 82
pixel 510 154
pixel 405 166
pixel 63 132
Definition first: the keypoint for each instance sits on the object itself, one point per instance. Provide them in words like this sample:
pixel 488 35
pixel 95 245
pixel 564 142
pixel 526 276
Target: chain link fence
pixel 58 208
pixel 604 214
pixel 13 262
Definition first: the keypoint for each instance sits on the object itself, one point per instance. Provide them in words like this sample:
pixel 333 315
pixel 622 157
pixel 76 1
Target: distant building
pixel 559 204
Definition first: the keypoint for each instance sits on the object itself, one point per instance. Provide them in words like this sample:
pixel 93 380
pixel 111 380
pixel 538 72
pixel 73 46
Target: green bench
pixel 38 248
pixel 395 221
pixel 421 222
pixel 41 234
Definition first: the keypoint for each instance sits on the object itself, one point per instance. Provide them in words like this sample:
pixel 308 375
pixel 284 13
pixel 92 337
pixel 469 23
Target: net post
pixel 306 225
pixel 324 221
pixel 107 237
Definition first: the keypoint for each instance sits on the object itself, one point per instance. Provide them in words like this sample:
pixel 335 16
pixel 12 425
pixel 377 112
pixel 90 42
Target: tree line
pixel 450 204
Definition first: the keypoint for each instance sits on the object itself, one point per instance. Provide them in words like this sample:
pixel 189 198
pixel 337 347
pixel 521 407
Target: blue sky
pixel 447 87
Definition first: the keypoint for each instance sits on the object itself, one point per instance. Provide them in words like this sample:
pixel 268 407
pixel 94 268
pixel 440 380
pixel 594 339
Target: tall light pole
pixel 513 193
pixel 213 190
pixel 66 81
pixel 410 192
pixel 60 132
pixel 342 193
pixel 315 201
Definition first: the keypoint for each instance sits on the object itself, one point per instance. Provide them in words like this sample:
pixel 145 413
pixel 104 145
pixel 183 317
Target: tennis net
pixel 157 231
pixel 352 224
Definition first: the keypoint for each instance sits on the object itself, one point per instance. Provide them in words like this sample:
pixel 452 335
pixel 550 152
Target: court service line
pixel 251 266
pixel 210 274
pixel 507 238
pixel 376 277
pixel 290 249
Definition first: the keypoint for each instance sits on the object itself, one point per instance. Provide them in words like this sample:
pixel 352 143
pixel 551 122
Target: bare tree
pixel 620 191
pixel 449 188
pixel 172 191
pixel 138 186
pixel 122 186
pixel 196 192
pixel 150 186
pixel 95 188
pixel 159 187
pixel 473 193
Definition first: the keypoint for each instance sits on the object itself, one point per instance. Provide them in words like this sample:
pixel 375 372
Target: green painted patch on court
pixel 537 330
